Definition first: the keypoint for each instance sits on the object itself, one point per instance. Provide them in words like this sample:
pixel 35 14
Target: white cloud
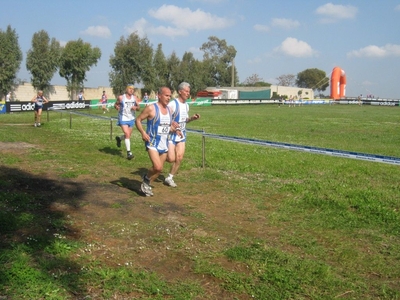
pixel 139 27
pixel 210 1
pixel 179 22
pixel 293 47
pixel 285 23
pixel 397 7
pixel 143 28
pixel 195 50
pixel 276 22
pixel 262 28
pixel 98 31
pixel 254 61
pixel 375 51
pixel 333 13
pixel 184 18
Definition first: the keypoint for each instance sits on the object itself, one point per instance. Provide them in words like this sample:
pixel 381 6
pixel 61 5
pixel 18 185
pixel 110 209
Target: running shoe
pixel 170 181
pixel 118 139
pixel 146 189
pixel 129 155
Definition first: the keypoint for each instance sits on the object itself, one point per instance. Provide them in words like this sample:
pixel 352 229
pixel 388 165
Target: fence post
pixel 203 149
pixel 111 129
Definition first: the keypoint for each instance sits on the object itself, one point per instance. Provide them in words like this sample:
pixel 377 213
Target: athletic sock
pixel 128 145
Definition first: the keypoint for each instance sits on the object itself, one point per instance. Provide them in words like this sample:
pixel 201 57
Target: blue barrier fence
pixel 310 149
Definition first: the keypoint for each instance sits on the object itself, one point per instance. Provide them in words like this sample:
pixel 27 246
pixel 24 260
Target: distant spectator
pixel 8 97
pixel 39 100
pixel 146 99
pixel 80 97
pixel 291 101
pixel 103 100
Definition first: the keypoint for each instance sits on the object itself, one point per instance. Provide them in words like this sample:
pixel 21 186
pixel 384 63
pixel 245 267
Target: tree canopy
pixel 132 62
pixel 192 72
pixel 135 61
pixel 173 78
pixel 42 60
pixel 77 58
pixel 10 60
pixel 255 80
pixel 312 79
pixel 218 60
pixel 160 66
pixel 286 80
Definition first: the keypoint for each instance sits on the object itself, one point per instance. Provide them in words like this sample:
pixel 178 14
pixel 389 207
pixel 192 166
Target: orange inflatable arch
pixel 338 83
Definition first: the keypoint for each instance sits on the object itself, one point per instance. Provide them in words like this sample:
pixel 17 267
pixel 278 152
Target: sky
pixel 272 38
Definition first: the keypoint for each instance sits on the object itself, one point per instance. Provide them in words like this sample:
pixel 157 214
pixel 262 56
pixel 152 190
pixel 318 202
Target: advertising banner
pixel 21 106
pixel 2 108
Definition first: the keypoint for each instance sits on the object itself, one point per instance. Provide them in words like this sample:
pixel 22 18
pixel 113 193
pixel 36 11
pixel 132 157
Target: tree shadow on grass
pixel 36 236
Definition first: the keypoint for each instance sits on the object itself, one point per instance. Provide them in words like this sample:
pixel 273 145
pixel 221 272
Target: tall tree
pixel 131 63
pixel 192 72
pixel 147 71
pixel 286 80
pixel 76 59
pixel 160 65
pixel 42 60
pixel 10 60
pixel 312 79
pixel 218 58
pixel 174 77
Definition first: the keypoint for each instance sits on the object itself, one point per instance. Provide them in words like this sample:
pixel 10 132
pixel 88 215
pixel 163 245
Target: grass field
pixel 255 223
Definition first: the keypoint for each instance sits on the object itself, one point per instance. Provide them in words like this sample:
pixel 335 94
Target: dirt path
pixel 164 233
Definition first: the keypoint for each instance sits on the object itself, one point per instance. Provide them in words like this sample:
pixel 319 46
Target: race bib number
pixel 163 129
pixel 182 125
